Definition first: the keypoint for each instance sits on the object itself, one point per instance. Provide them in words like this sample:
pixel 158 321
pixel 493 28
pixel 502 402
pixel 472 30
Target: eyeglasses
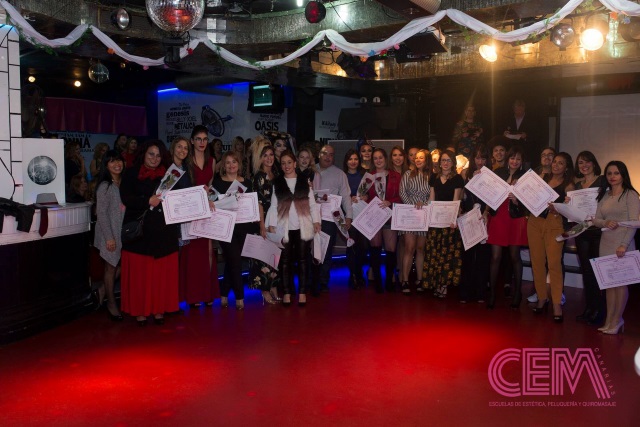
pixel 549 155
pixel 198 139
pixel 446 160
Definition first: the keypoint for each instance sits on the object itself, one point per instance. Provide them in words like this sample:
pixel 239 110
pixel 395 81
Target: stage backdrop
pixel 225 116
pixel 327 118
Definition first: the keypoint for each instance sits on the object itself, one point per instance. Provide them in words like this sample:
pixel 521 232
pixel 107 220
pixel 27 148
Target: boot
pixel 374 261
pixel 390 269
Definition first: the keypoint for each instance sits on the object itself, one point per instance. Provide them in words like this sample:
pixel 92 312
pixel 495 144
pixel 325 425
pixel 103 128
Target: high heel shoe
pixel 286 300
pixel 542 309
pixel 240 304
pixel 406 289
pixel 266 297
pixel 419 286
pixel 274 294
pixel 224 302
pixel 558 318
pixel 619 328
pixel 115 317
pixel 604 327
pixel 302 300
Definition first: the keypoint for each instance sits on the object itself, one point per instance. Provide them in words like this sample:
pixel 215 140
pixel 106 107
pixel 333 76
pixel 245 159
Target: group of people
pixel 159 270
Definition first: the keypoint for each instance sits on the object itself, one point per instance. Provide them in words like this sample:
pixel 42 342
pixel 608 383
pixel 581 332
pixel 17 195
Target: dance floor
pixel 349 358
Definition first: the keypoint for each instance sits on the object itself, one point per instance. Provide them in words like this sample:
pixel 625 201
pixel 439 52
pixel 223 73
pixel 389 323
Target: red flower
pixel 325 197
pixel 190 51
pixel 336 214
pixel 175 173
pixel 240 190
pixel 379 179
pixel 368 181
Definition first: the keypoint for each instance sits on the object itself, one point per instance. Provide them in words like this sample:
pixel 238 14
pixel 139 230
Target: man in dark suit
pixel 520 129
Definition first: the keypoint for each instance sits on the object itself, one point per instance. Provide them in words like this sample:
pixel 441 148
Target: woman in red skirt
pixel 508 228
pixel 149 278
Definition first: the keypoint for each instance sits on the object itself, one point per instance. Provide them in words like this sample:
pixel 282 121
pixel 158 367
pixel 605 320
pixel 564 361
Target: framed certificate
pixel 612 271
pixel 185 205
pixel 219 226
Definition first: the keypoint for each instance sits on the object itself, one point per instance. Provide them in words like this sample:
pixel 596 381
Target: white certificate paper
pixel 329 206
pixel 247 210
pixel 534 193
pixel 408 218
pixel 358 207
pixel 472 228
pixel 185 205
pixel 320 245
pixel 261 249
pixel 184 231
pixel 489 188
pixel 584 201
pixel 612 271
pixel 372 218
pixel 219 226
pixel 443 214
pixel 572 213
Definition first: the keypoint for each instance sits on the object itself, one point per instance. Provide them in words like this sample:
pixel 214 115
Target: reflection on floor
pixel 349 358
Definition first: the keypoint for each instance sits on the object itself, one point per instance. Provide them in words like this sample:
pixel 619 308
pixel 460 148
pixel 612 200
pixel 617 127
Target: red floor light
pixel 315 12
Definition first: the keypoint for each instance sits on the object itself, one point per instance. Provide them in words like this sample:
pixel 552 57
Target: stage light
pixel 488 52
pixel 31 79
pixel 591 39
pixel 121 18
pixel 631 30
pixel 562 35
pixel 77 83
pixel 315 12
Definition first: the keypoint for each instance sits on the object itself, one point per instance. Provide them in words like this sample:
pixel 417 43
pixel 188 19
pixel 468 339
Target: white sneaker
pixel 563 300
pixel 533 298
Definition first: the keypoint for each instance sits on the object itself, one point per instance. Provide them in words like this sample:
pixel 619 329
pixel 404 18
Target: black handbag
pixel 132 230
pixel 516 211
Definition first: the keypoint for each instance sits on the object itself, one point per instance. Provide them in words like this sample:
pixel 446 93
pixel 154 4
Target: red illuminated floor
pixel 350 358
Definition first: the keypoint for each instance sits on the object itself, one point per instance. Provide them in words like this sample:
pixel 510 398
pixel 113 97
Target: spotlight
pixel 77 83
pixel 591 39
pixel 31 79
pixel 630 31
pixel 299 3
pixel 562 35
pixel 488 52
pixel 121 18
pixel 315 12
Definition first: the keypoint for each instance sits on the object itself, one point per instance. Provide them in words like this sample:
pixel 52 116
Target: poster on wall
pixel 43 168
pixel 327 118
pixel 224 116
pixel 87 142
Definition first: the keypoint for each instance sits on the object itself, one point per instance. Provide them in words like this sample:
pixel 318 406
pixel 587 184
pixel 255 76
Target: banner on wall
pixel 327 118
pixel 225 116
pixel 87 142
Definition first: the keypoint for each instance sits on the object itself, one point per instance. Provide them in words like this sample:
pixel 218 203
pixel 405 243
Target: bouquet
pixel 365 184
pixel 169 180
pixel 338 218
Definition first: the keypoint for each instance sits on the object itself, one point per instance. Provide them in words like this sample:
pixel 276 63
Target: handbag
pixel 132 230
pixel 516 211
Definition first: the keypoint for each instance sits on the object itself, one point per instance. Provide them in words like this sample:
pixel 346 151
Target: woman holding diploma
pixel 415 190
pixel 357 251
pixel 293 208
pixel 508 228
pixel 386 187
pixel 198 260
pixel 543 247
pixel 476 259
pixel 229 172
pixel 262 275
pixel 619 203
pixel 443 249
pixel 588 243
pixel 149 275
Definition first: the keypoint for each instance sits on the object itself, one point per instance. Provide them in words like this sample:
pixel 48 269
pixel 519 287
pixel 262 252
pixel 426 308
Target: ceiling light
pixel 591 39
pixel 562 35
pixel 488 52
pixel 31 79
pixel 77 83
pixel 299 3
pixel 121 18
pixel 315 12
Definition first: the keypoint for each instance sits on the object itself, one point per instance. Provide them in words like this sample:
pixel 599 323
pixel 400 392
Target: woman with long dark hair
pixel 149 264
pixel 543 246
pixel 366 151
pixel 508 229
pixel 357 252
pixel 293 210
pixel 619 203
pixel 588 243
pixel 110 213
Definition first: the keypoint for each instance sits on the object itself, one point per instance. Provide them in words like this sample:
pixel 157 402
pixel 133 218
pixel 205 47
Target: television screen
pixel 265 98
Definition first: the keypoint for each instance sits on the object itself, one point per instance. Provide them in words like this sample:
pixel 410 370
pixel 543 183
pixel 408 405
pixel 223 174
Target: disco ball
pixel 175 16
pixel 98 73
pixel 42 170
pixel 563 35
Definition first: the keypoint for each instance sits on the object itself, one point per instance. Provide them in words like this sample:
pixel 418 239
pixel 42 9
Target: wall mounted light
pixel 562 35
pixel 121 18
pixel 77 83
pixel 31 79
pixel 488 52
pixel 315 12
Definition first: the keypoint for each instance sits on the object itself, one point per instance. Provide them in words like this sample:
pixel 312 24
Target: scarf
pixel 146 173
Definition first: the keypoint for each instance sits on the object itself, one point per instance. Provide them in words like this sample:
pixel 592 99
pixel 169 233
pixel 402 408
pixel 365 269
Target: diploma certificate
pixel 261 249
pixel 184 231
pixel 358 207
pixel 472 228
pixel 443 214
pixel 408 218
pixel 572 213
pixel 328 207
pixel 185 205
pixel 534 193
pixel 320 245
pixel 219 226
pixel 489 188
pixel 247 210
pixel 372 218
pixel 584 200
pixel 612 271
